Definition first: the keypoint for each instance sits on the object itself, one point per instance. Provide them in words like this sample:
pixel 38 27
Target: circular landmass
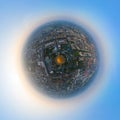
pixel 60 58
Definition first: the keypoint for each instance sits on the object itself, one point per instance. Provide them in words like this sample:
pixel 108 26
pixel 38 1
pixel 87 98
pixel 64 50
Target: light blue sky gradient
pixel 16 15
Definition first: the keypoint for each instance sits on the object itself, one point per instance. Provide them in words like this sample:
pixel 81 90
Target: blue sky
pixel 18 16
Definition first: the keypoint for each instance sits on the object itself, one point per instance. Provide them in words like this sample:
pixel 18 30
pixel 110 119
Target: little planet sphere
pixel 60 58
